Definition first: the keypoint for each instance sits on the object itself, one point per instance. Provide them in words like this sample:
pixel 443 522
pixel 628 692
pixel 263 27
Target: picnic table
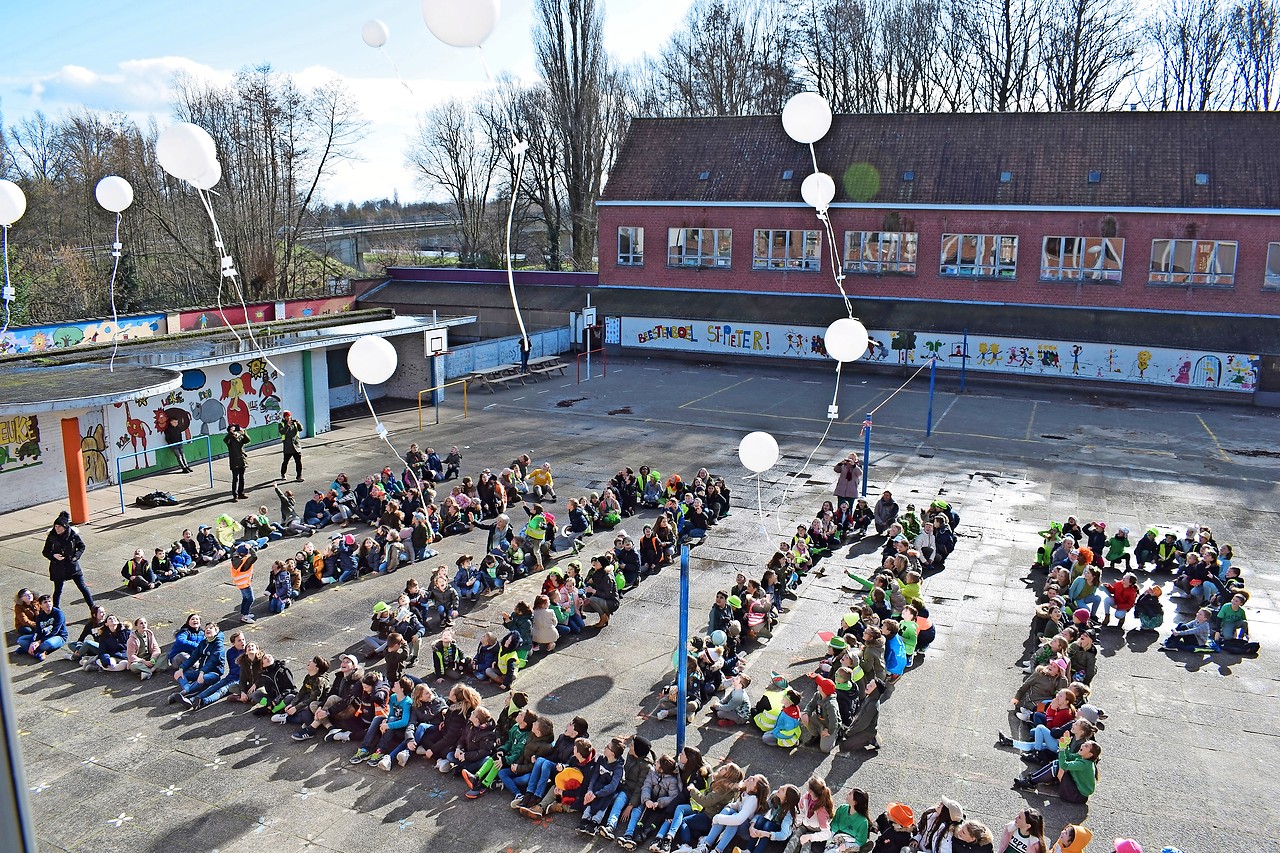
pixel 503 374
pixel 547 365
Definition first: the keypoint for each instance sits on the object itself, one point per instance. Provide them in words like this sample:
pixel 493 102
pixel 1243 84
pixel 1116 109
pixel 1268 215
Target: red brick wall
pixel 1138 230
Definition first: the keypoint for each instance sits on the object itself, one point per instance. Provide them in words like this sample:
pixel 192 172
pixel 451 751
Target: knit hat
pixel 63 519
pixel 778 682
pixel 733 628
pixel 641 746
pixel 718 638
pixel 902 815
pixel 1089 713
pixel 826 686
pixel 1081 615
pixel 348 540
pixel 1127 845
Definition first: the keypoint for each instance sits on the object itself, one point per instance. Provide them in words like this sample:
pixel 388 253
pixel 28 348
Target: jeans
pixel 237 480
pixel 78 580
pixel 246 601
pixel 1093 601
pixel 382 741
pixel 49 645
pixel 721 836
pixel 188 680
pixel 218 689
pixel 615 811
pixel 472 590
pixel 671 825
pixel 316 520
pixel 1041 738
pixel 514 784
pixel 1109 603
pixel 277 605
pixel 540 778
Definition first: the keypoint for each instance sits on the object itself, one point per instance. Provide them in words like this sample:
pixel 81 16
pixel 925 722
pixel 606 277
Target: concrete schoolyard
pixel 1190 743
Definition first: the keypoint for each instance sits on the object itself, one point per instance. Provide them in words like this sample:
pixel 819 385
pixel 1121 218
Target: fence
pixel 208 460
pixel 436 399
pixel 467 359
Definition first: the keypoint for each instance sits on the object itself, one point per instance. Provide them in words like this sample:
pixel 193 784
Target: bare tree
pixel 837 51
pixel 908 35
pixel 1190 40
pixel 1255 53
pixel 581 87
pixel 1006 40
pixel 36 149
pixel 953 68
pixel 1089 51
pixel 451 154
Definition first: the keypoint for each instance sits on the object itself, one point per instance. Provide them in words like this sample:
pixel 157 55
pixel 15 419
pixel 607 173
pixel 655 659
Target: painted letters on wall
pixel 1140 365
pixel 19 443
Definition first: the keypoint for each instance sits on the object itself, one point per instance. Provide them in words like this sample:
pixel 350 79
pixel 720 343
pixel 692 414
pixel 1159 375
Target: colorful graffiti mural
pixel 1142 365
pixel 93 449
pixel 212 318
pixel 19 443
pixel 296 308
pixel 68 335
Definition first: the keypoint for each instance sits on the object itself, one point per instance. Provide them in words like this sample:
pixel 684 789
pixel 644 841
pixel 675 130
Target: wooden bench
pixel 547 365
pixel 503 374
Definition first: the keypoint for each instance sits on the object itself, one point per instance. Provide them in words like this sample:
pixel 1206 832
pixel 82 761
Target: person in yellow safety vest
pixel 504 669
pixel 786 730
pixel 535 534
pixel 765 712
pixel 242 561
pixel 541 486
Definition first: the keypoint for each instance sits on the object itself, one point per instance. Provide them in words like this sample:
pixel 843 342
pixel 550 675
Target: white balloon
pixel 372 360
pixel 375 33
pixel 461 23
pixel 818 191
pixel 846 339
pixel 185 150
pixel 13 202
pixel 114 193
pixel 758 451
pixel 806 118
pixel 207 179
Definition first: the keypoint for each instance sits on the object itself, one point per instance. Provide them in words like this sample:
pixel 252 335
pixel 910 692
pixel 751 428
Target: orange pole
pixel 77 492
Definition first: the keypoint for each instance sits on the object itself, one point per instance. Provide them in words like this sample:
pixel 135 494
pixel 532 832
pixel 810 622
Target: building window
pixel 630 247
pixel 979 255
pixel 880 252
pixel 786 250
pixel 1203 262
pixel 1082 258
pixel 339 373
pixel 699 247
pixel 1272 278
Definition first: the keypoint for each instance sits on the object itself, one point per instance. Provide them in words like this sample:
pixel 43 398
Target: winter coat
pixel 446 736
pixel 24 615
pixel 113 643
pixel 1123 596
pixel 522 625
pixel 276 679
pixel 849 483
pixel 634 774
pixel 71 547
pixel 210 656
pixel 1039 686
pixel 479 742
pixel 605 777
pixel 313 688
pixel 544 626
pixel 535 747
pixel 1083 660
pixel 142 646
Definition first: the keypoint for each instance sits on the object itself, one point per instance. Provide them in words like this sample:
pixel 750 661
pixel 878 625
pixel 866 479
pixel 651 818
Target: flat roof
pixel 33 389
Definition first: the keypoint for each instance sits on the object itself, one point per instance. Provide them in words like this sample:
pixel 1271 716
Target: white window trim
pixel 893 267
pixel 787 262
pixel 707 256
pixel 1164 278
pixel 632 258
pixel 994 271
pixel 1088 275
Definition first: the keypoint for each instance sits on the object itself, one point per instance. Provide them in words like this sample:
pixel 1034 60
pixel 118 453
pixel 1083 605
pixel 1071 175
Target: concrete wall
pixel 472 357
pixel 1248 296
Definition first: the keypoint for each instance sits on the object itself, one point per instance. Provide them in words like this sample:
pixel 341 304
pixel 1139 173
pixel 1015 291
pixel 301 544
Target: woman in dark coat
pixel 63 548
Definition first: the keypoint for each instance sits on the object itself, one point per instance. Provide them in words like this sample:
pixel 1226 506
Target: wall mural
pixel 19 443
pixel 93 449
pixel 67 335
pixel 210 399
pixel 1140 365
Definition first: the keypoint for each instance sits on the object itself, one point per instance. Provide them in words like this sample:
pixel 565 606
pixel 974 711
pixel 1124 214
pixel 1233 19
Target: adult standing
pixel 526 346
pixel 849 481
pixel 291 432
pixel 236 440
pixel 63 548
pixel 173 438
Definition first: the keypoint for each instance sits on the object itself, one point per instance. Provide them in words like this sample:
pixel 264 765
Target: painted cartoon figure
pixel 1184 373
pixel 1144 362
pixel 1076 349
pixel 905 344
pixel 1208 371
pixel 210 412
pixel 233 391
pixel 1048 355
pixel 876 350
pixel 92 450
pixel 135 433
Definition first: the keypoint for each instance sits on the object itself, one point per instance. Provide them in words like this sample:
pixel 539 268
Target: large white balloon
pixel 375 33
pixel 372 360
pixel 114 193
pixel 207 179
pixel 13 202
pixel 818 191
pixel 846 339
pixel 461 23
pixel 185 150
pixel 806 118
pixel 758 451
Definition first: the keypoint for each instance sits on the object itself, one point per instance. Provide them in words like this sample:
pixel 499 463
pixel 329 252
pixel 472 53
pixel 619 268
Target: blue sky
pixel 63 54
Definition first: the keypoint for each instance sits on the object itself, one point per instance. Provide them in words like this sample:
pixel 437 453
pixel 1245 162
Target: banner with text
pixel 1219 371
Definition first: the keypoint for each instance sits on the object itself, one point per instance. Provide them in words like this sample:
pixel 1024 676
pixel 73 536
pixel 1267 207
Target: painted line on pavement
pixel 1221 453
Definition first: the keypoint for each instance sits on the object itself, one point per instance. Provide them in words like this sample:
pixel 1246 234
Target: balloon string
pixel 883 402
pixel 5 296
pixel 399 76
pixel 837 266
pixel 484 64
pixel 385 436
pixel 235 282
pixel 830 423
pixel 115 317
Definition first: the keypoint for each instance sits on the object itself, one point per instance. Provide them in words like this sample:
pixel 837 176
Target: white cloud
pixel 135 86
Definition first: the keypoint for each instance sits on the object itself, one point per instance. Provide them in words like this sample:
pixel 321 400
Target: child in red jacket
pixel 1121 595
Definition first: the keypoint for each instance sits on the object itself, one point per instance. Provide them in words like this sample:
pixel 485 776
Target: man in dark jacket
pixel 290 432
pixel 63 548
pixel 236 440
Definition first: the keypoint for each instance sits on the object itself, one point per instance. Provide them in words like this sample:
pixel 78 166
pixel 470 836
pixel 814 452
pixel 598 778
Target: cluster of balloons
pixel 460 23
pixel 186 151
pixel 806 118
pixel 13 203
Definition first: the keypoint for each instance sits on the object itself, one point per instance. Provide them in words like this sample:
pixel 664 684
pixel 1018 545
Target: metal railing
pixel 208 460
pixel 604 359
pixel 462 382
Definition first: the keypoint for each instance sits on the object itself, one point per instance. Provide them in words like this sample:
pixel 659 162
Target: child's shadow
pixel 1140 641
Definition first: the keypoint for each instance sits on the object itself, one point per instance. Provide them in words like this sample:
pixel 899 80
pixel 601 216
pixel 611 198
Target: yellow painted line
pixel 714 393
pixel 1031 423
pixel 1222 453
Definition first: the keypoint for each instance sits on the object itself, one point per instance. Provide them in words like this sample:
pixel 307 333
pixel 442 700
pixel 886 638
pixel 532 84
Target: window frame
pixel 633 258
pixel 1269 281
pixel 1083 274
pixel 1165 278
pixel 896 266
pixel 957 267
pixel 718 260
pixel 806 262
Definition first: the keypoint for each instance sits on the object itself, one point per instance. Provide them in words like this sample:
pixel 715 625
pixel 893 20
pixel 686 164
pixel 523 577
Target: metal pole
pixel 682 651
pixel 964 356
pixel 120 483
pixel 208 452
pixel 933 370
pixel 16 828
pixel 589 328
pixel 866 453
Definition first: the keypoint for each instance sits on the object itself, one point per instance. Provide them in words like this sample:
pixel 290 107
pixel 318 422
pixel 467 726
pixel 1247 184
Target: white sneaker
pixel 402 758
pixel 342 736
pixel 279 718
pixel 248 617
pixel 385 763
pixel 1025 716
pixel 662 715
pixel 145 675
